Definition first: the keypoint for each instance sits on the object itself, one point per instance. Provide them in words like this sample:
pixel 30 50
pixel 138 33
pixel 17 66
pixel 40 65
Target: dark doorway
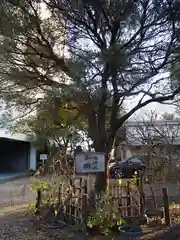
pixel 14 156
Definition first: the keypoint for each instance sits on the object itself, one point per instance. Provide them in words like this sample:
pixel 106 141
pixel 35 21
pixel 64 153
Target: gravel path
pixel 15 224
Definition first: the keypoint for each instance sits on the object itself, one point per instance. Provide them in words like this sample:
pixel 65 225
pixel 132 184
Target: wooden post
pixel 80 184
pixel 60 211
pixel 84 208
pixel 85 186
pixel 60 194
pixel 141 192
pixel 128 199
pixel 166 206
pixel 38 202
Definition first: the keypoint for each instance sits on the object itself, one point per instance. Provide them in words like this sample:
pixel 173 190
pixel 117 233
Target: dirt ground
pixel 18 223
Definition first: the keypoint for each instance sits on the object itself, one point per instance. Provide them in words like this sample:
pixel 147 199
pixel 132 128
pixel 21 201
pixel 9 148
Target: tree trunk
pixel 102 178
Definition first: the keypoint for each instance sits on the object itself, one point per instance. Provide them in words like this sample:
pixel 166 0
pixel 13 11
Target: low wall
pixel 16 192
pixel 172 188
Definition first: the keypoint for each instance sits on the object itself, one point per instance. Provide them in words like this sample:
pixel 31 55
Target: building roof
pixel 18 136
pixel 154 122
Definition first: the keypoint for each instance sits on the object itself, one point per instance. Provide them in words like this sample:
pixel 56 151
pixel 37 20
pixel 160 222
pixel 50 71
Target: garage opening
pixel 14 156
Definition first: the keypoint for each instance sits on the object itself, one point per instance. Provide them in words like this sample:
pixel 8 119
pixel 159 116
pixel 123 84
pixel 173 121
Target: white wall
pixel 123 152
pixel 32 158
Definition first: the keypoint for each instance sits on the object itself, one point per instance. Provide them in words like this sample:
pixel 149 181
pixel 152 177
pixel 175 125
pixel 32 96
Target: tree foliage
pixel 52 125
pixel 92 56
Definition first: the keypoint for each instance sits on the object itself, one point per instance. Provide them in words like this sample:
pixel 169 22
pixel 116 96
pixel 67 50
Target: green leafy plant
pixel 39 185
pixel 49 187
pixel 132 181
pixel 31 172
pixel 31 207
pixel 106 217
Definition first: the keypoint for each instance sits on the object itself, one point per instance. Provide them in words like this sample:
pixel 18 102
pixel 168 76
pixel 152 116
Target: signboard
pixel 43 157
pixel 89 162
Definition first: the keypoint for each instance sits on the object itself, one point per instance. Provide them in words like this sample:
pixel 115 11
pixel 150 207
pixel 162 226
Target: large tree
pixel 92 56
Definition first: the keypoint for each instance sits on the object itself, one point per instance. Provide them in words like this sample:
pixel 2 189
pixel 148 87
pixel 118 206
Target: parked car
pixel 126 168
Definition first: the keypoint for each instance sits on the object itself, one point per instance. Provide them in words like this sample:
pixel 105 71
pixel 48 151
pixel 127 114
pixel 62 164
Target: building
pixel 157 134
pixel 18 154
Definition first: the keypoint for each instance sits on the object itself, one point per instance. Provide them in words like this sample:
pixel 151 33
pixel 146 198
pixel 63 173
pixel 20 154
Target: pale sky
pixel 159 108
pixel 155 107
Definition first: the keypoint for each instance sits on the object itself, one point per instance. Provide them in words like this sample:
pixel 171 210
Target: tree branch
pixel 143 104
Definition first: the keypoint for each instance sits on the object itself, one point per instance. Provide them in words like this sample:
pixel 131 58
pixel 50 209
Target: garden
pixel 73 75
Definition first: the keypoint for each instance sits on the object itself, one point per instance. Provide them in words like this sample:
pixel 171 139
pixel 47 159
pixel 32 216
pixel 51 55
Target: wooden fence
pixel 75 204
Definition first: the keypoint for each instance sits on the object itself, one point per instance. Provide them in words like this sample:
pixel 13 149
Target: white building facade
pixel 140 134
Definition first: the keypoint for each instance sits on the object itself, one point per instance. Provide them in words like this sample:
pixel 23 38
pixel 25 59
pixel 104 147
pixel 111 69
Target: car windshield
pixel 134 160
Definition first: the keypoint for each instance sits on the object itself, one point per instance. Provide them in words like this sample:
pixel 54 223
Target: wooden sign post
pixel 43 157
pixel 89 162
